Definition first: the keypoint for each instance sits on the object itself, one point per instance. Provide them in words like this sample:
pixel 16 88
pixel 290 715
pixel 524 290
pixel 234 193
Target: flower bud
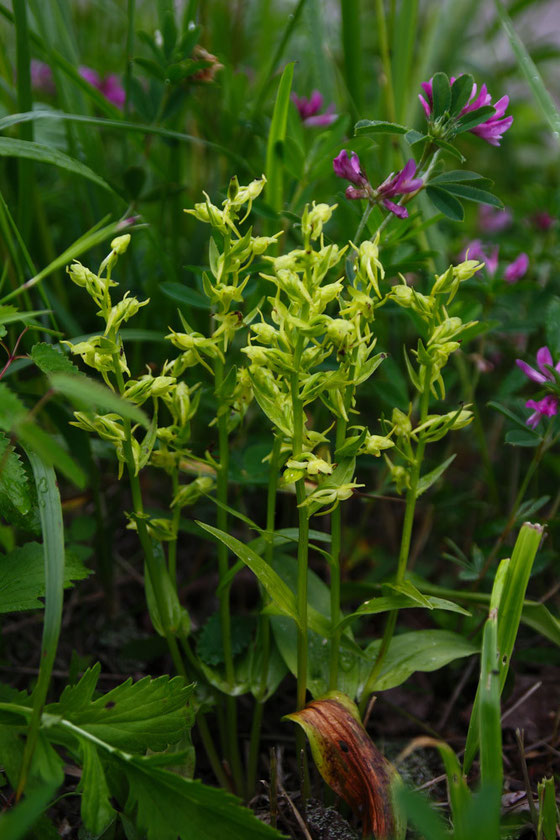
pixel 401 423
pixel 120 243
pixel 374 444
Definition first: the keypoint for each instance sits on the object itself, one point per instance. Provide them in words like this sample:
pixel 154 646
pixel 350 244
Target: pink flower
pixel 492 220
pixel 516 269
pixel 309 109
pixel 402 183
pixel 112 90
pixel 543 220
pixel 90 75
pixel 544 361
pixel 547 407
pixel 350 168
pixel 42 77
pixel 491 129
pixel 475 251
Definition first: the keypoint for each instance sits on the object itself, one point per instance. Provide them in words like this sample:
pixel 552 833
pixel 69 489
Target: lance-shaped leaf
pixel 351 764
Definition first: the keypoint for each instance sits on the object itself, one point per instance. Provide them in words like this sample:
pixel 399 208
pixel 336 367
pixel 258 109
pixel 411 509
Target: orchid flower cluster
pixel 106 354
pixel 286 356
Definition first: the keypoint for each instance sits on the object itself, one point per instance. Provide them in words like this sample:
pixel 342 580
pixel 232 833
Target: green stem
pixel 264 620
pixel 223 567
pixel 404 552
pixel 172 551
pixel 336 542
pixel 145 539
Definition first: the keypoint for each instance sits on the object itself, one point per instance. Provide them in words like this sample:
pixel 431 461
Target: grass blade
pixel 25 103
pixel 490 729
pixel 404 36
pixel 276 138
pixel 530 71
pixel 513 577
pixel 50 511
pixel 28 150
pixel 352 48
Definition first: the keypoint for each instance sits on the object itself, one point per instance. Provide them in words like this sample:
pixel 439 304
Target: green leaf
pixel 166 806
pixel 552 325
pixel 457 176
pixel 441 95
pixel 523 437
pixel 85 392
pixel 9 314
pixel 412 137
pixel 22 577
pixel 184 294
pixel 96 809
pixel 18 821
pixel 51 452
pixel 146 715
pixel 386 603
pixel 514 418
pixel 421 650
pixel 421 814
pixel 280 594
pixel 274 190
pixel 50 360
pixel 11 407
pixel 474 194
pixel 473 118
pixel 445 203
pixel 490 734
pixel 379 127
pixel 27 149
pixel 548 812
pixel 430 478
pixel 460 93
pixel 449 148
pixel 14 484
pixel 539 618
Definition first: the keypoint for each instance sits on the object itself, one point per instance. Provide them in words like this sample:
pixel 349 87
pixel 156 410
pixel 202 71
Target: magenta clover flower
pixel 492 220
pixel 401 183
pixel 309 109
pixel 516 269
pixel 548 406
pixel 42 80
pixel 475 250
pixel 491 129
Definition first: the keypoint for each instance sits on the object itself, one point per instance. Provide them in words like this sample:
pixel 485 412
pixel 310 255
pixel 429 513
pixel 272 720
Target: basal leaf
pixel 165 806
pixel 148 714
pixel 22 577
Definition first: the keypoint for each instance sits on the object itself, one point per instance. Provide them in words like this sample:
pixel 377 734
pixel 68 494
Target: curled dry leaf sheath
pixel 351 764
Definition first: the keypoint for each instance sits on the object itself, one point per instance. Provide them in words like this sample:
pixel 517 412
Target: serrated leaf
pixel 148 714
pixel 22 577
pixel 445 203
pixel 11 407
pixel 86 392
pixel 49 450
pixel 14 482
pixel 166 806
pixel 96 809
pixel 50 360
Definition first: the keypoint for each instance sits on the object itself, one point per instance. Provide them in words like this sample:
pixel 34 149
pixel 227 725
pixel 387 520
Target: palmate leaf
pixel 148 714
pixel 22 577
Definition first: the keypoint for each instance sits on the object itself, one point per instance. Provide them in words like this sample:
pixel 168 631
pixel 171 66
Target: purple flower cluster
pixel 110 86
pixel 476 250
pixel 548 406
pixel 491 129
pixel 401 183
pixel 309 110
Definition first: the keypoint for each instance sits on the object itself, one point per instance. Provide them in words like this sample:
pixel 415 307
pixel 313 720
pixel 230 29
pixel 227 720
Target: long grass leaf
pixel 29 150
pixel 276 139
pixel 352 50
pixel 404 35
pixel 277 56
pixel 530 71
pixel 25 103
pixel 50 512
pixel 490 728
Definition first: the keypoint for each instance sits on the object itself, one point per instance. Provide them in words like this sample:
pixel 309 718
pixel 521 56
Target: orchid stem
pixel 411 496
